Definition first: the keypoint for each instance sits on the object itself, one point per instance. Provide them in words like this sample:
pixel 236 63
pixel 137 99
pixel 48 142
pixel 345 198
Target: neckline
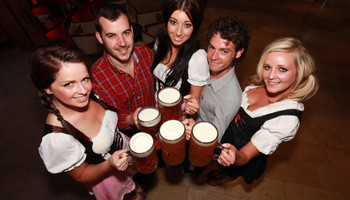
pixel 90 139
pixel 273 107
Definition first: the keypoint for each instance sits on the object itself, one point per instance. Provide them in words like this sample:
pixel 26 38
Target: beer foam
pixel 169 95
pixel 141 142
pixel 205 132
pixel 149 114
pixel 172 129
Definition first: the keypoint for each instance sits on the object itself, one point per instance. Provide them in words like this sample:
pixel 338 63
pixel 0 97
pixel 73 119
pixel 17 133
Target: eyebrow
pixel 226 49
pixel 178 20
pixel 129 29
pixel 173 18
pixel 126 30
pixel 265 63
pixel 67 81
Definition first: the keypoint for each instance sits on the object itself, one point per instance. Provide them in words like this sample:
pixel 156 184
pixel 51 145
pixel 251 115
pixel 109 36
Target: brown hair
pixel 46 61
pixel 231 29
pixel 110 11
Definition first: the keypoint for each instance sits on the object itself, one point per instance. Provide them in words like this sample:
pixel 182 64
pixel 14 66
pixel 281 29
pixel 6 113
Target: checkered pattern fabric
pixel 119 89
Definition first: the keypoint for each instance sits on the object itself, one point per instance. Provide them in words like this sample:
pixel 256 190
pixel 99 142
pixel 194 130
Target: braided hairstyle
pixel 46 61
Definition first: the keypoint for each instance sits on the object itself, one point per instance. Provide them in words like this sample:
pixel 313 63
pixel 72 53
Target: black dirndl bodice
pixel 91 156
pixel 240 132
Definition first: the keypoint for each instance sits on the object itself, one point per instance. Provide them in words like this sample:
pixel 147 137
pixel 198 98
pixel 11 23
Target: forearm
pixel 86 173
pixel 245 154
pixel 196 91
pixel 241 159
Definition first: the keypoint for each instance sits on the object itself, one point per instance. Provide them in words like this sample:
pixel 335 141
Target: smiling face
pixel 279 73
pixel 117 38
pixel 221 53
pixel 72 86
pixel 179 27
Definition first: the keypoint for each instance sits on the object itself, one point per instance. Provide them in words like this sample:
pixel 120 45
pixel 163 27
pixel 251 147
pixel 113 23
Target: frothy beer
pixel 142 149
pixel 149 119
pixel 205 132
pixel 169 96
pixel 173 142
pixel 203 143
pixel 169 103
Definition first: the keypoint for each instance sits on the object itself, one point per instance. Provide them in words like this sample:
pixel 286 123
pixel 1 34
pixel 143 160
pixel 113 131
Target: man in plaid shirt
pixel 122 77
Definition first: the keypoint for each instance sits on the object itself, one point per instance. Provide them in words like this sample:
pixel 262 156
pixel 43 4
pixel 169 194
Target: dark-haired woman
pixel 81 136
pixel 178 60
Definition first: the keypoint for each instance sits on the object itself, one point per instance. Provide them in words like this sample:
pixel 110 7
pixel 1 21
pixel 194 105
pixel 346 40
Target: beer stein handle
pixel 219 147
pixel 127 154
pixel 165 152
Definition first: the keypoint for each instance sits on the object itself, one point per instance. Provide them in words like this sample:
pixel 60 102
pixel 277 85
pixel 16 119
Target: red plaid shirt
pixel 119 89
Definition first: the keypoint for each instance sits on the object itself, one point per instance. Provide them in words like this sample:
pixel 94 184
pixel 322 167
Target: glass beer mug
pixel 169 103
pixel 203 142
pixel 149 119
pixel 172 139
pixel 142 149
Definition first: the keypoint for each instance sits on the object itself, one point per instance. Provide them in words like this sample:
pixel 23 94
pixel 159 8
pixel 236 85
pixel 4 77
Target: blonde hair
pixel 306 83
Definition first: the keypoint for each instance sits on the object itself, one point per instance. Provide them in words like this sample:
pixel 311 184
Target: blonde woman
pixel 270 111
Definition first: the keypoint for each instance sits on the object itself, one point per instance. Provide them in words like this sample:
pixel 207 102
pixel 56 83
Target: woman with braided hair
pixel 81 136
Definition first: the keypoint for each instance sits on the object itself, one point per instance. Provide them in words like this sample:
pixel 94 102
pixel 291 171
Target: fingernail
pixel 224 145
pixel 123 155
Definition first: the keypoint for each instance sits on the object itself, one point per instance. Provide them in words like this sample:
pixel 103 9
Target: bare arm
pixel 238 158
pixel 196 91
pixel 92 172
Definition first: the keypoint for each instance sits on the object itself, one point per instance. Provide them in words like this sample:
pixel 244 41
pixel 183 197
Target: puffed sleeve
pixel 61 152
pixel 275 131
pixel 198 68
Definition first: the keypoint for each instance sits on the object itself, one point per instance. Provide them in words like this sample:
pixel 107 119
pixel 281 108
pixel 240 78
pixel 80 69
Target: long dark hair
pixel 180 66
